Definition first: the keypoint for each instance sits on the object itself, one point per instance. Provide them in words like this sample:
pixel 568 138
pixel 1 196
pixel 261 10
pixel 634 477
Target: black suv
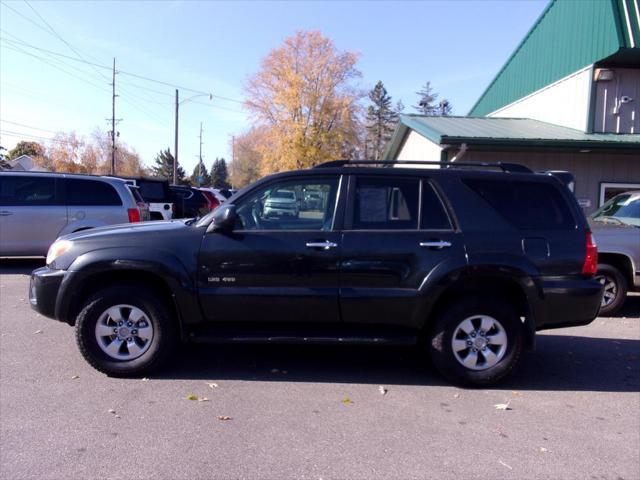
pixel 466 261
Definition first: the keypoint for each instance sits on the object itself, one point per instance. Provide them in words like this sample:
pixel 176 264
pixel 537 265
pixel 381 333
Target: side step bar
pixel 279 338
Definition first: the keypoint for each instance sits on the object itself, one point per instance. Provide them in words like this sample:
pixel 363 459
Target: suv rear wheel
pixel 125 331
pixel 477 342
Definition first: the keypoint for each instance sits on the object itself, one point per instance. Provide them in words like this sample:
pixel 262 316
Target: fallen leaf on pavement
pixel 456 395
pixel 502 406
pixel 212 385
pixel 516 394
pixel 145 379
pixel 191 396
pixel 37 331
pixel 382 390
pixel 75 376
pixel 223 417
pixel 203 399
pixel 118 416
pixel 347 401
pixel 111 410
pixel 542 449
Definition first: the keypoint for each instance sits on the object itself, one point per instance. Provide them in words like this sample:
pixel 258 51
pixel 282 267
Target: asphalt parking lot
pixel 294 412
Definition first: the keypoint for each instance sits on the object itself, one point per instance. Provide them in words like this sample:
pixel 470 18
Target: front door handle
pixel 5 213
pixel 435 244
pixel 325 245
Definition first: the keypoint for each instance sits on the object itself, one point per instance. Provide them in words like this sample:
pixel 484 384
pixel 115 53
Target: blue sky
pixel 216 46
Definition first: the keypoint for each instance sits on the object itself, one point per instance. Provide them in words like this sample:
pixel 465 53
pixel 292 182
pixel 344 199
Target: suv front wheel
pixel 477 342
pixel 125 331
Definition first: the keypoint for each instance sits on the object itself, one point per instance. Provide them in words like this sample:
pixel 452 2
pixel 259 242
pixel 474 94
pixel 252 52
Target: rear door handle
pixel 5 213
pixel 325 245
pixel 435 244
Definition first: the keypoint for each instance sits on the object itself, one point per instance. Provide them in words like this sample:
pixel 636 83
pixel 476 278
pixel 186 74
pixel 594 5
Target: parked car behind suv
pixel 190 202
pixel 38 207
pixel 464 262
pixel 156 192
pixel 616 226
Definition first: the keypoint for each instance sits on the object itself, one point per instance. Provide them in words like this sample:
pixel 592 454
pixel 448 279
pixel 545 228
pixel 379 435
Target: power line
pixel 135 75
pixel 61 38
pixel 28 126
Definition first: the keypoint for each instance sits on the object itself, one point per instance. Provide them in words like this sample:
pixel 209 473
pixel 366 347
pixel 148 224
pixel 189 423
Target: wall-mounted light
pixel 602 75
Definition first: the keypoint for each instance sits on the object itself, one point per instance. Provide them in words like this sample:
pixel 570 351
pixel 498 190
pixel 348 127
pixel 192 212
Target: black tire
pixel 165 333
pixel 441 349
pixel 608 273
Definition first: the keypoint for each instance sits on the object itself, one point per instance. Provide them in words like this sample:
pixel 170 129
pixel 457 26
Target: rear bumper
pixel 43 290
pixel 569 302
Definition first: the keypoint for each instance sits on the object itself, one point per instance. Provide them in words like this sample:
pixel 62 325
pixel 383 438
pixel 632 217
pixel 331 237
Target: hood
pixel 127 229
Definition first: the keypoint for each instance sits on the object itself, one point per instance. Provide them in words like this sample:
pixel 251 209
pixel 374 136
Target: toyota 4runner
pixel 466 261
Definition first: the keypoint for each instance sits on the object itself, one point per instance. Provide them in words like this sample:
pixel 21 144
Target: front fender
pixel 163 264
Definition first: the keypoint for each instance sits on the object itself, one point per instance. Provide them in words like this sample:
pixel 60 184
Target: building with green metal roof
pixel 568 98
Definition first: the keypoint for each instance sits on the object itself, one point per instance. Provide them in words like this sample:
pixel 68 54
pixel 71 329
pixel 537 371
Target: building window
pixel 608 190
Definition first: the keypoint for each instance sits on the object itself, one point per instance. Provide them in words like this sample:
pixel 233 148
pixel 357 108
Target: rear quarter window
pixel 526 205
pixel 91 193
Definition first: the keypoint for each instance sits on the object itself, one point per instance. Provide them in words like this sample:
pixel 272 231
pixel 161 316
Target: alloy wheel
pixel 479 342
pixel 124 332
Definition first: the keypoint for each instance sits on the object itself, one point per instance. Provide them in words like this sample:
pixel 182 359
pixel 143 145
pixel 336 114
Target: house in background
pixel 568 98
pixel 24 163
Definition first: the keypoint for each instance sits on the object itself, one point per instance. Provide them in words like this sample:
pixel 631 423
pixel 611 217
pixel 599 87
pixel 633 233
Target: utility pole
pixel 175 145
pixel 201 173
pixel 113 120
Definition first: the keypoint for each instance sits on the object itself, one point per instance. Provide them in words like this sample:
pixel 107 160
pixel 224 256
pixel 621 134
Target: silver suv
pixel 616 227
pixel 36 208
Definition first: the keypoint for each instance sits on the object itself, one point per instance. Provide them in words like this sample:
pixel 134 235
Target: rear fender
pixel 449 275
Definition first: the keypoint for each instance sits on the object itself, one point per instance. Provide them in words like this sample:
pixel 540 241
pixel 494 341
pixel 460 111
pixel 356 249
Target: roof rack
pixel 505 167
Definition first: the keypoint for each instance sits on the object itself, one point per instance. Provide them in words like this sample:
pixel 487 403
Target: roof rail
pixel 505 167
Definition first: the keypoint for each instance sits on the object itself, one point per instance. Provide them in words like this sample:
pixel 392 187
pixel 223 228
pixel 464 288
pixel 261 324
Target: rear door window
pixel 90 193
pixel 28 190
pixel 433 215
pixel 386 203
pixel 526 205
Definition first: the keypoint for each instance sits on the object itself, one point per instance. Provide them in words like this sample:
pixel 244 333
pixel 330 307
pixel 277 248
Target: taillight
pixel 134 215
pixel 590 265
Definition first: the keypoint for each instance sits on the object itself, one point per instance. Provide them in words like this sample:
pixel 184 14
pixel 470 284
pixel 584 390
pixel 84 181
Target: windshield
pixel 621 209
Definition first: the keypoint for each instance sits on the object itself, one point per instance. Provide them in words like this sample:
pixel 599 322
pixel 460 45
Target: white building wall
pixel 417 147
pixel 565 102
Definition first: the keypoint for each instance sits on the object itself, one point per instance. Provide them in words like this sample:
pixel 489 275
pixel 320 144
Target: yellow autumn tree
pixel 304 101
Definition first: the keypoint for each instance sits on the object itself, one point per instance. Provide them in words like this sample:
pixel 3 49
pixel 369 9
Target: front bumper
pixel 43 290
pixel 569 302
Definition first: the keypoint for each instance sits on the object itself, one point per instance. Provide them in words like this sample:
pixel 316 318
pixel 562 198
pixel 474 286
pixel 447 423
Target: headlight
pixel 56 249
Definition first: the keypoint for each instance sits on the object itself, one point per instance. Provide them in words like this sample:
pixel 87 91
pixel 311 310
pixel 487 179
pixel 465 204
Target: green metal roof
pixel 503 132
pixel 568 36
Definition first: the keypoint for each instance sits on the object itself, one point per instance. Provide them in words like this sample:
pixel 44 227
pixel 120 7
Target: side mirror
pixel 224 219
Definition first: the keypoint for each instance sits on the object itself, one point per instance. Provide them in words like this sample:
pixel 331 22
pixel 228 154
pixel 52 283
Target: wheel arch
pixel 160 271
pixel 491 282
pixel 621 261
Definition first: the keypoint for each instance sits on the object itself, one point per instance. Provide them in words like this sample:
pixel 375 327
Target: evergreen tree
pixel 200 172
pixel 220 174
pixel 381 120
pixel 4 161
pixel 164 167
pixel 428 103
